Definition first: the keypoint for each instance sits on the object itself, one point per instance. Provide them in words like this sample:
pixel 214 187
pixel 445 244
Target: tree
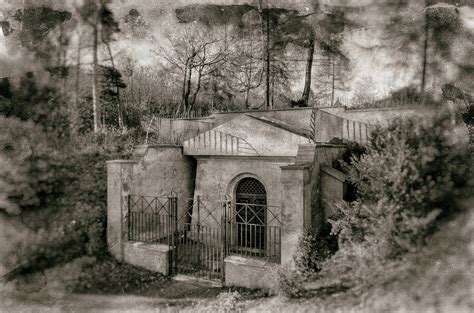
pixel 331 78
pixel 100 19
pixel 138 27
pixel 110 84
pixel 194 55
pixel 37 23
pixel 245 63
pixel 325 37
pixel 427 29
pixel 37 102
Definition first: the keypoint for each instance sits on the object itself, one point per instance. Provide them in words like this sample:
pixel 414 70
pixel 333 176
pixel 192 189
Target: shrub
pixel 408 180
pixel 314 249
pixel 353 151
pixel 289 283
pixel 33 175
pixel 56 195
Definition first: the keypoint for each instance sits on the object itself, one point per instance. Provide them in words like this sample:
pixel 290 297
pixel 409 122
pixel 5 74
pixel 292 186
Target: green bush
pixel 290 283
pixel 55 194
pixel 40 103
pixel 314 249
pixel 409 179
pixel 32 175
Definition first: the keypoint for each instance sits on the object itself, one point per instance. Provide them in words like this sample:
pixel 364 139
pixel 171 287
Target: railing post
pixel 129 219
pixel 198 207
pixel 169 233
pixel 172 221
pixel 224 238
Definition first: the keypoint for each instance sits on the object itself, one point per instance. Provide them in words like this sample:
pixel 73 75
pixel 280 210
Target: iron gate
pixel 201 234
pixel 150 219
pixel 199 244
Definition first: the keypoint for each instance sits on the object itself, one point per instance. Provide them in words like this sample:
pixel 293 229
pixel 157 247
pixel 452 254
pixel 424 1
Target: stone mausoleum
pixel 229 198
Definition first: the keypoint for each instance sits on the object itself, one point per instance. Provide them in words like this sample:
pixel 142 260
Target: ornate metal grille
pixel 250 214
pixel 250 186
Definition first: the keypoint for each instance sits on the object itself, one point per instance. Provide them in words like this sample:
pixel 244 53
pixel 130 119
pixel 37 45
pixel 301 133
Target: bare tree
pixel 246 66
pixel 194 55
pixel 331 77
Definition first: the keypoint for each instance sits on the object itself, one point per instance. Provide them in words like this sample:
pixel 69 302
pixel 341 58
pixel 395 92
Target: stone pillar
pixel 119 183
pixel 295 211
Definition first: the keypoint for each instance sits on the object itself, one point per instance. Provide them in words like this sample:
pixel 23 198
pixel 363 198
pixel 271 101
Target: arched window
pixel 251 213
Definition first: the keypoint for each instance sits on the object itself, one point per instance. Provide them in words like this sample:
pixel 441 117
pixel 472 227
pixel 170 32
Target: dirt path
pixel 173 296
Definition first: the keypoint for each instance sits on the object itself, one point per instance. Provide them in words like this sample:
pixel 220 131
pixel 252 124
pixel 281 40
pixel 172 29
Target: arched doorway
pixel 250 214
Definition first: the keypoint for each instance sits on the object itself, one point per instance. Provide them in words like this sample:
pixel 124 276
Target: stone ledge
pixel 241 260
pixel 153 257
pixel 305 166
pixel 249 273
pixel 329 145
pixel 151 246
pixel 165 145
pixel 334 173
pixel 121 162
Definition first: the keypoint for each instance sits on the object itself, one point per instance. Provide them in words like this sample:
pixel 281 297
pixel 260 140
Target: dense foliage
pixel 53 192
pixel 412 177
pixel 410 180
pixel 411 174
pixel 314 249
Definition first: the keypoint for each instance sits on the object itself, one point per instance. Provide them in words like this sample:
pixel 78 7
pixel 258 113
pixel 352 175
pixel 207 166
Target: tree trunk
pixel 77 83
pixel 95 83
pixel 119 102
pixel 247 95
pixel 267 50
pixel 308 73
pixel 188 88
pixel 424 62
pixel 183 92
pixel 196 92
pixel 273 91
pixel 333 83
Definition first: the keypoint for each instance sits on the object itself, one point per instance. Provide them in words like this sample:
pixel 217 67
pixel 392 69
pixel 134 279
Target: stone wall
pixel 381 116
pixel 299 117
pixel 324 154
pixel 177 130
pixel 156 171
pixel 332 189
pixel 161 170
pixel 249 273
pixel 296 208
pixel 257 137
pixel 153 257
pixel 217 177
pixel 328 126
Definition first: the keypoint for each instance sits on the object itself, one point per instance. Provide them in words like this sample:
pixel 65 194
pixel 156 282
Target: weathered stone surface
pixel 218 177
pixel 324 154
pixel 248 135
pixel 119 182
pixel 164 170
pixel 294 180
pixel 332 189
pixel 153 257
pixel 249 273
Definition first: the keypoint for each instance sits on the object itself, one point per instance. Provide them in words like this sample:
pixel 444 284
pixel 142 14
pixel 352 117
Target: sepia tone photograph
pixel 236 156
